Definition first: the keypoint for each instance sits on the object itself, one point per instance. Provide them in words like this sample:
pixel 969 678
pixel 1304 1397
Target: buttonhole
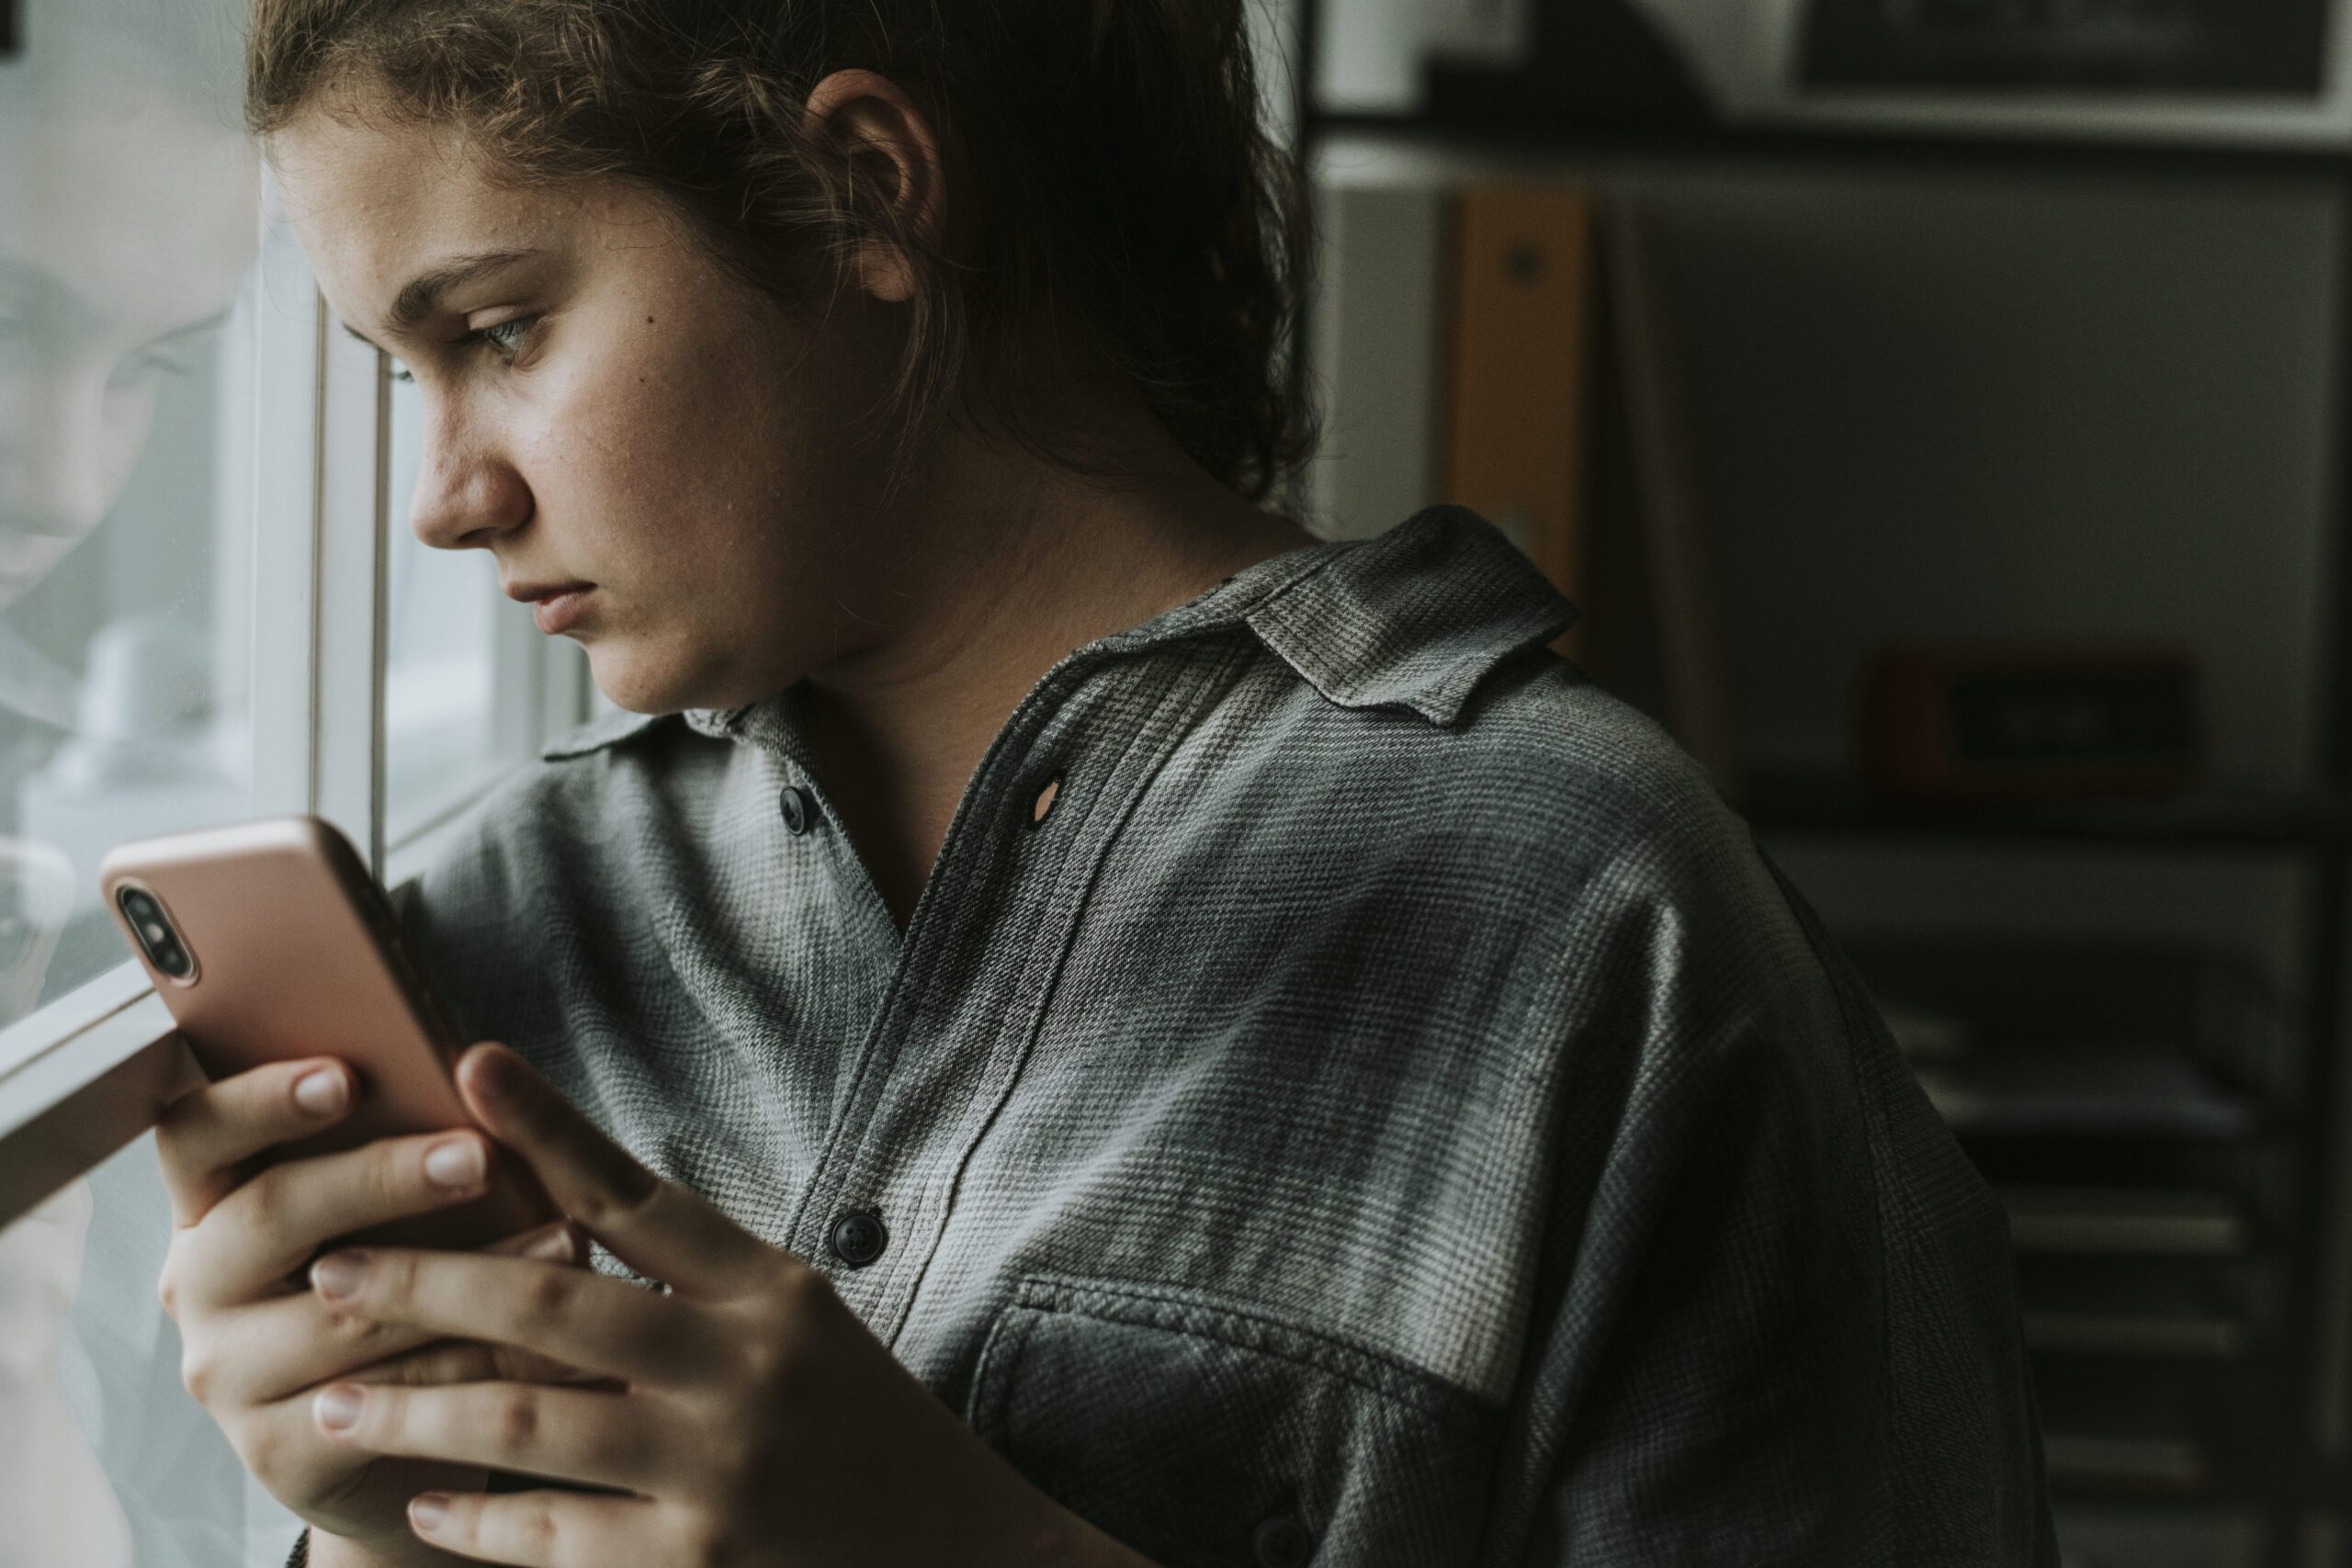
pixel 1045 799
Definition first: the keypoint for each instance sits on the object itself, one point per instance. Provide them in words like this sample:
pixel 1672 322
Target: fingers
pixel 563 1434
pixel 273 1348
pixel 275 1222
pixel 473 1360
pixel 539 1529
pixel 658 1227
pixel 572 1315
pixel 204 1137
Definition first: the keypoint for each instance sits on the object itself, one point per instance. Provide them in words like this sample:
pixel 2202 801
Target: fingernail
pixel 503 1074
pixel 426 1509
pixel 338 1408
pixel 553 1247
pixel 457 1166
pixel 338 1273
pixel 321 1093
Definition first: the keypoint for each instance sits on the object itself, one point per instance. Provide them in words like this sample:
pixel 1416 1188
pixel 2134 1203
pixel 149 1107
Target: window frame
pixel 94 1069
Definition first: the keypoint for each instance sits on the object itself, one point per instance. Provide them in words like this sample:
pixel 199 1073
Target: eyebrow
pixel 420 295
pixel 213 322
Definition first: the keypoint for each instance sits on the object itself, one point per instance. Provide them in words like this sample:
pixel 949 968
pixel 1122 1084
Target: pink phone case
pixel 292 950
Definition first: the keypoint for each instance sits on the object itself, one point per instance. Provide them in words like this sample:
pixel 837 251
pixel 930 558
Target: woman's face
pixel 605 409
pixel 126 228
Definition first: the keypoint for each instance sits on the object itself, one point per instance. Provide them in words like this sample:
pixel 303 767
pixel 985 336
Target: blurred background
pixel 1936 407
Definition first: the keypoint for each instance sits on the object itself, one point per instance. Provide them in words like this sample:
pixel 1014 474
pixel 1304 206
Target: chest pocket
pixel 1207 1436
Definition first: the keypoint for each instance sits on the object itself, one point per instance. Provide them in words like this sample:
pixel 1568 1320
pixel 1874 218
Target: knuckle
pixel 390 1282
pixel 517 1419
pixel 199 1372
pixel 541 1533
pixel 394 1176
pixel 385 1417
pixel 615 1206
pixel 350 1331
pixel 550 1296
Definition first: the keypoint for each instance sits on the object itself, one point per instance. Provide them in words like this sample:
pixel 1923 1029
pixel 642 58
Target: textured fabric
pixel 1388 1108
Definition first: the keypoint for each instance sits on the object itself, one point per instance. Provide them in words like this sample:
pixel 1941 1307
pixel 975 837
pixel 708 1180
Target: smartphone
pixel 270 942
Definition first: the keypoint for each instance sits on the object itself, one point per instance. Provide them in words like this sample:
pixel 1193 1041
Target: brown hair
pixel 1110 186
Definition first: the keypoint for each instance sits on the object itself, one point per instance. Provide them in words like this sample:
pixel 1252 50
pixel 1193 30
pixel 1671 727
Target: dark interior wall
pixel 1966 406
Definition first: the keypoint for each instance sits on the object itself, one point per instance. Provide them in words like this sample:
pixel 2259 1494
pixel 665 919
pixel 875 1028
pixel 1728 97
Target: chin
pixel 630 685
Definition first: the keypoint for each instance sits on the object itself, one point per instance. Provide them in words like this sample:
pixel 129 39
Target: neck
pixel 1005 564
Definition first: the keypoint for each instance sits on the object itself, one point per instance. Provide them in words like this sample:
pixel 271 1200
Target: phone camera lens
pixel 156 933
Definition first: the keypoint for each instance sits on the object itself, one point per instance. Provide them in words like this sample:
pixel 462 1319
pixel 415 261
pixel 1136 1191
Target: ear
pixel 882 136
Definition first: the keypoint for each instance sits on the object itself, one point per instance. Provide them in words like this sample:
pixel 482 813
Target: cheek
pixel 68 443
pixel 689 469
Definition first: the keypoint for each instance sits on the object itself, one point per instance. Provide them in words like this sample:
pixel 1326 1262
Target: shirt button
pixel 799 815
pixel 1282 1542
pixel 859 1238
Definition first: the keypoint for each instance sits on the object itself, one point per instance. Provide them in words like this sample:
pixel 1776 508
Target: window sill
pixel 82 1077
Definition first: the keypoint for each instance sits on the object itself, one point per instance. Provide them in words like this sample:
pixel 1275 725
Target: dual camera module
pixel 155 932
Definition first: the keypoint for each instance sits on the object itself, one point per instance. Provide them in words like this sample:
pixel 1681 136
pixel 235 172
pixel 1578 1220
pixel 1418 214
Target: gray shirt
pixel 1388 1108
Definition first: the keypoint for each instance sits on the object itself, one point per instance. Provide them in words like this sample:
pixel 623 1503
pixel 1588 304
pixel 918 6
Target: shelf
pixel 2092 1221
pixel 1854 145
pixel 2279 821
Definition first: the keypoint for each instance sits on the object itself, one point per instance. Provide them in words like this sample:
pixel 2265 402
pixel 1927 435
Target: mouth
pixel 555 606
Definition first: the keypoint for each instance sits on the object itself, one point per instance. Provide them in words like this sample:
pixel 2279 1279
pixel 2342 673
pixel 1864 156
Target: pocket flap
pixel 1204 1434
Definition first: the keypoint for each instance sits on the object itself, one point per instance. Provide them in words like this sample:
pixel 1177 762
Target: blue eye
pixel 505 340
pixel 507 337
pixel 519 329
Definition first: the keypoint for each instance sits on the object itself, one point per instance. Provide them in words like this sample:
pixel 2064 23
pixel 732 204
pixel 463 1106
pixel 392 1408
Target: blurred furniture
pixel 2186 1274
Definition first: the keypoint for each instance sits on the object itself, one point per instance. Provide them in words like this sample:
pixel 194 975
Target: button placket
pixel 862 1160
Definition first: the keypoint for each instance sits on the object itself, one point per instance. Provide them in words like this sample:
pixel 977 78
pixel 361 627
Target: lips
pixel 557 612
pixel 555 606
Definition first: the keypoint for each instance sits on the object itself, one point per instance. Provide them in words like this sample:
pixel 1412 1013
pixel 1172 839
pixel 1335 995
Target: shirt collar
pixel 1412 618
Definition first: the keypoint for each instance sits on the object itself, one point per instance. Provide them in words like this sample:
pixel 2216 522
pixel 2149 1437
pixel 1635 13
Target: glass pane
pixel 129 408
pixel 441 713
pixel 105 1460
pixel 128 228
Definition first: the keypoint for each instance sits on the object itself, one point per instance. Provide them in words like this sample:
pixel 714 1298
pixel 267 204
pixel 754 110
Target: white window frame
pixel 90 1072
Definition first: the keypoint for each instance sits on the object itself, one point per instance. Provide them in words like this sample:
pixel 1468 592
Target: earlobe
pixel 884 273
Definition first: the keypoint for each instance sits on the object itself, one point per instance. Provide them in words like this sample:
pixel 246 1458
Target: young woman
pixel 1090 1026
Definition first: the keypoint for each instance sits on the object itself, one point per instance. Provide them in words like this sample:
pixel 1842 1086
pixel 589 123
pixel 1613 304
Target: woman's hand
pixel 255 1342
pixel 751 1418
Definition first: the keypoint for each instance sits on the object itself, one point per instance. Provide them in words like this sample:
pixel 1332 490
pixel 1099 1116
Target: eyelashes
pixel 504 341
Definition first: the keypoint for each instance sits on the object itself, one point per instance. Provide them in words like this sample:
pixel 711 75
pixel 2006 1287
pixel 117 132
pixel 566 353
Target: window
pixel 210 608
pixel 472 688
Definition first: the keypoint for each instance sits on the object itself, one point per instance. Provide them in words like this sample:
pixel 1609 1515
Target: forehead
pixel 374 197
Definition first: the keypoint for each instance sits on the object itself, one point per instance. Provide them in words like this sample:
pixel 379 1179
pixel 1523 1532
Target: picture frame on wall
pixel 2221 74
pixel 2111 48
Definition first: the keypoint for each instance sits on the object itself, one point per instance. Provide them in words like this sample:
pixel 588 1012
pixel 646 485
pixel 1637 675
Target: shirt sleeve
pixel 1775 1318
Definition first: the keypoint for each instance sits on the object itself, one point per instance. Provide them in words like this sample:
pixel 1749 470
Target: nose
pixel 467 496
